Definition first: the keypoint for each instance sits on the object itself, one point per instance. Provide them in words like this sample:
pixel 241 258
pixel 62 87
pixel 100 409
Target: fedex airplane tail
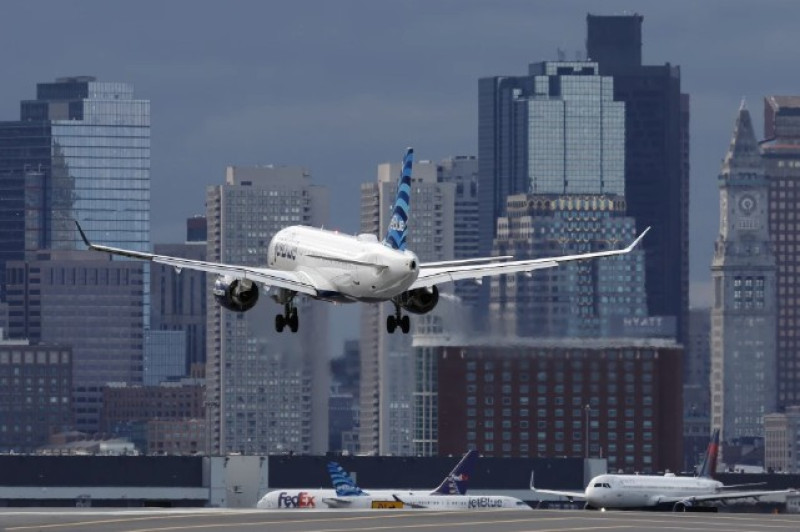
pixel 398 225
pixel 456 482
pixel 709 466
pixel 342 482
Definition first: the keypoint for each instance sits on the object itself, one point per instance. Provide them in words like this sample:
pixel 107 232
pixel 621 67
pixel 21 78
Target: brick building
pixel 614 398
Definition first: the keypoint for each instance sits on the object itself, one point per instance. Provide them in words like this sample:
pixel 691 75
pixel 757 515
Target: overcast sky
pixel 341 86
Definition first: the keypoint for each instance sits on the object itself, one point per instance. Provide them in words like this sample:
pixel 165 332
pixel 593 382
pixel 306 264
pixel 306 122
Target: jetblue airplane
pixel 330 266
pixel 449 495
pixel 679 494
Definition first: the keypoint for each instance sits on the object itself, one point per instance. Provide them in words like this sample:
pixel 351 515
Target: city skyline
pixel 341 88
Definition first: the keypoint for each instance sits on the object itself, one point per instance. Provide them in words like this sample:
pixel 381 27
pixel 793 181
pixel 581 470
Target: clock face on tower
pixel 747 203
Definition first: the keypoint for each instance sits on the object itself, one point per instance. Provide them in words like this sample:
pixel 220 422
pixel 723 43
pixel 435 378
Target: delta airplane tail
pixel 709 466
pixel 398 226
pixel 456 482
pixel 342 482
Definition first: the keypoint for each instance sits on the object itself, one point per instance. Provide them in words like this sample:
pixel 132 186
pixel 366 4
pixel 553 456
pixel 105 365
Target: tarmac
pixel 235 520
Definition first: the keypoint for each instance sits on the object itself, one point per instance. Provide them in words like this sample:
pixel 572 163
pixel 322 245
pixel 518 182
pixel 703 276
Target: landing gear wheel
pixel 293 321
pixel 391 324
pixel 405 324
pixel 280 322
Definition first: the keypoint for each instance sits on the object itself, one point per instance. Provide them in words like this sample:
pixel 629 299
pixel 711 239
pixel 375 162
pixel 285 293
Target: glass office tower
pixel 80 151
pixel 576 131
pixel 99 163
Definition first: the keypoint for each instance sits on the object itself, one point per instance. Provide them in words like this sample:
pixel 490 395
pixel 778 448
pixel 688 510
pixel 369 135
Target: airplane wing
pixel 723 496
pixel 337 502
pixel 409 504
pixel 459 262
pixel 295 281
pixel 571 495
pixel 433 274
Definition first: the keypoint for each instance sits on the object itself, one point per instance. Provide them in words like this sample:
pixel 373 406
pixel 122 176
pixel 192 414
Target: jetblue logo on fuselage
pixel 301 500
pixel 485 502
pixel 285 250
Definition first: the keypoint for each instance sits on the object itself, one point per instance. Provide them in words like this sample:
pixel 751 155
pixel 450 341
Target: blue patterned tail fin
pixel 342 482
pixel 456 482
pixel 709 466
pixel 398 225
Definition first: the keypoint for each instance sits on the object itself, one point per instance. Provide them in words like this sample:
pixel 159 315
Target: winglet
pixel 638 239
pixel 398 225
pixel 83 235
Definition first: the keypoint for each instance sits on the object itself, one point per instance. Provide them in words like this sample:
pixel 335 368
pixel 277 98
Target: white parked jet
pixel 330 266
pixel 680 494
pixel 449 495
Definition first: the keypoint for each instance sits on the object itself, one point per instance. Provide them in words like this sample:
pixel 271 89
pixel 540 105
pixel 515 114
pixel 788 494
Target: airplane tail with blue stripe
pixel 342 482
pixel 456 482
pixel 398 225
pixel 709 466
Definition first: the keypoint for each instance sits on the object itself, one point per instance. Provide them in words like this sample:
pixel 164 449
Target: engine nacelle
pixel 238 295
pixel 682 506
pixel 419 301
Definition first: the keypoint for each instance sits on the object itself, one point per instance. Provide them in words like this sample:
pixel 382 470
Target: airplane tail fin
pixel 455 483
pixel 709 466
pixel 398 225
pixel 342 481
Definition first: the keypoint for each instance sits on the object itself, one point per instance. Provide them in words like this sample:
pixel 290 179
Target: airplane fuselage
pixel 345 268
pixel 644 491
pixel 385 499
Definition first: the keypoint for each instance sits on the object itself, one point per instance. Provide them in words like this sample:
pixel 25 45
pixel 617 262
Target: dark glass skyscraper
pixel 656 158
pixel 80 151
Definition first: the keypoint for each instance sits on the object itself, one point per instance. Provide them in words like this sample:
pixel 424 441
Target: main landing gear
pixel 289 317
pixel 397 320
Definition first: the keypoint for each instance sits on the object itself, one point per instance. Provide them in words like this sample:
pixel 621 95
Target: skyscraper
pixel 781 155
pixel 575 153
pixel 178 298
pixel 80 151
pixel 576 300
pixel 656 158
pixel 432 237
pixel 92 304
pixel 743 316
pixel 265 392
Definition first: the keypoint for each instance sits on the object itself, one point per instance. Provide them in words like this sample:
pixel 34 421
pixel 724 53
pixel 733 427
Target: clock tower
pixel 743 316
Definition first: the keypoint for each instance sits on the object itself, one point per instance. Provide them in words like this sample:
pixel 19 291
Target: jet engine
pixel 419 300
pixel 682 506
pixel 238 295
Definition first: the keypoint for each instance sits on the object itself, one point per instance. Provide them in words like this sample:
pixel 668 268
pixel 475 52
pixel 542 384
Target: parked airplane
pixel 680 494
pixel 345 490
pixel 330 266
pixel 449 495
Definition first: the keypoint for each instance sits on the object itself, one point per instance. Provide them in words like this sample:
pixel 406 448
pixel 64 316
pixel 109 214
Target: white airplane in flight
pixel 680 494
pixel 449 495
pixel 330 266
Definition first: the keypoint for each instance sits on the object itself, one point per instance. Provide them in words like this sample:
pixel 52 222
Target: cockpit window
pixel 598 485
pixel 602 485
